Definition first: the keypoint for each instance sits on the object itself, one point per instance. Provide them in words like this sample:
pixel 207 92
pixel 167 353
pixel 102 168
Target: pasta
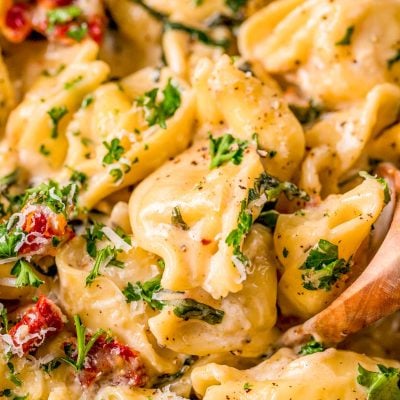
pixel 183 183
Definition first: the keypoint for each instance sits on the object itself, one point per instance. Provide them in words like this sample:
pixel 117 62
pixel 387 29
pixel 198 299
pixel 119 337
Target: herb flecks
pixel 323 266
pixel 192 309
pixel 382 181
pixel 346 39
pixel 145 292
pixel 177 219
pixel 225 149
pixel 157 112
pixel 25 274
pixel 381 385
pixel 56 114
pixel 311 347
pixel 115 151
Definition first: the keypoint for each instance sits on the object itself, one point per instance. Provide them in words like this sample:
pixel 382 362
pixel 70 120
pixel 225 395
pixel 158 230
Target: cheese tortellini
pixel 334 52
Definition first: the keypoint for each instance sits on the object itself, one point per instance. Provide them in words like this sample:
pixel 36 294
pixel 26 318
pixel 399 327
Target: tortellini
pixel 6 95
pixel 36 128
pixel 331 374
pixel 339 140
pixel 343 220
pixel 209 202
pixel 250 314
pixel 250 107
pixel 334 52
pixel 113 118
pixel 102 305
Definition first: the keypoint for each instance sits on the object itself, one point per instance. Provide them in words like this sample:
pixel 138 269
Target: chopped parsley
pixel 157 112
pixel 382 181
pixel 247 387
pixel 51 365
pixel 195 33
pixel 56 114
pixel 87 101
pixel 116 174
pixel 382 385
pixel 62 15
pixel 9 238
pixel 25 274
pixel 115 151
pixel 192 309
pixel 235 5
pixel 311 347
pixel 44 150
pixel 346 39
pixel 51 194
pixel 177 220
pixel 83 345
pixel 285 252
pixel 79 178
pixel 268 218
pixel 323 266
pixel 10 393
pixel 306 114
pixel 237 235
pixel 144 291
pixel 70 84
pixel 93 234
pixel 78 32
pixel 104 258
pixel 265 186
pixel 226 148
pixel 13 376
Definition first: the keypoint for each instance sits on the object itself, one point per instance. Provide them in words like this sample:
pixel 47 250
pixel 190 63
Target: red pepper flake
pixel 205 242
pixel 38 323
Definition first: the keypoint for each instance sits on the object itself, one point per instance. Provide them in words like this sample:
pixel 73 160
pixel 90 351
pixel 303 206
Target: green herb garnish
pixel 226 148
pixel 311 347
pixel 144 291
pixel 382 181
pixel 323 266
pixel 56 114
pixel 62 15
pixel 346 39
pixel 115 151
pixel 25 274
pixel 192 309
pixel 177 220
pixel 159 112
pixel 382 385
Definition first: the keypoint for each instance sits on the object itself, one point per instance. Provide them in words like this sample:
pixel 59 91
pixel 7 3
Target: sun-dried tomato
pixel 38 323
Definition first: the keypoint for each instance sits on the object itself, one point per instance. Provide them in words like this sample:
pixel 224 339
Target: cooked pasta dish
pixel 199 199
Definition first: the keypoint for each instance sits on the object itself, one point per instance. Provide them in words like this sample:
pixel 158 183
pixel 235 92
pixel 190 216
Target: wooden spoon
pixel 374 295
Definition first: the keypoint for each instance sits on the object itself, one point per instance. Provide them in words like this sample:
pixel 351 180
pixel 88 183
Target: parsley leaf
pixel 236 236
pixel 44 150
pixel 93 233
pixel 192 309
pixel 226 148
pixel 177 220
pixel 382 181
pixel 13 376
pixel 51 365
pixel 144 291
pixel 311 347
pixel 268 218
pixel 83 346
pixel 346 40
pixel 79 178
pixel 70 84
pixel 104 258
pixel 56 114
pixel 382 385
pixel 78 32
pixel 324 267
pixel 87 101
pixel 8 180
pixel 115 151
pixel 247 387
pixel 306 114
pixel 8 241
pixel 25 274
pixel 159 112
pixel 59 199
pixel 235 5
pixel 61 15
pixel 116 174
